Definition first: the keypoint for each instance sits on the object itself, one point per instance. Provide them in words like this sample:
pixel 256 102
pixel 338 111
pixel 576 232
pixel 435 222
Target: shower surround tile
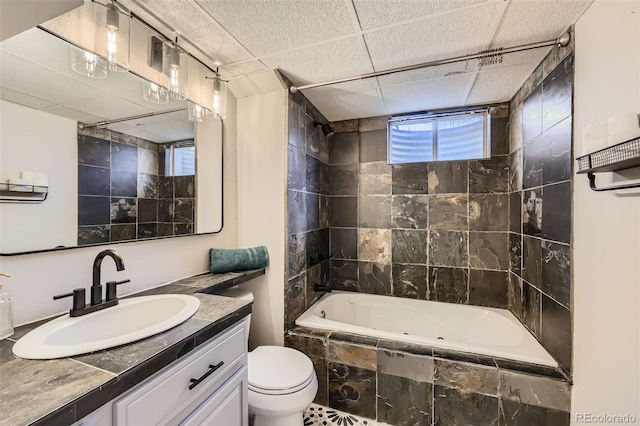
pixel 374 211
pixel 343 212
pixel 452 407
pixel 449 284
pixel 489 212
pixel 344 243
pixel 374 245
pixel 94 151
pixel 449 212
pixel 488 288
pixel 375 178
pixel 352 389
pixel 373 145
pixel 403 401
pixel 410 281
pixel 410 211
pixel 343 179
pixel 447 177
pixel 344 275
pixel 489 176
pixel 489 250
pixel 409 178
pixel 374 278
pixel 409 246
pixel 449 248
pixel 556 271
pixel 344 148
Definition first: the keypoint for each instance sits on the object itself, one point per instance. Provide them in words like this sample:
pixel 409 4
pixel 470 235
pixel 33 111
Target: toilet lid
pixel 278 370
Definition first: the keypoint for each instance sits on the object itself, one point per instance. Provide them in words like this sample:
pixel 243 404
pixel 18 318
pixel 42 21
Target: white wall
pixel 35 279
pixel 39 142
pixel 262 191
pixel 208 176
pixel 606 225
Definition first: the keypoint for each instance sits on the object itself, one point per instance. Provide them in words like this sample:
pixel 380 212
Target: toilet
pixel 282 381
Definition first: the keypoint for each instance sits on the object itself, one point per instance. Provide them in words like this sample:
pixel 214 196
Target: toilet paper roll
pixel 623 123
pixel 16 184
pixel 595 130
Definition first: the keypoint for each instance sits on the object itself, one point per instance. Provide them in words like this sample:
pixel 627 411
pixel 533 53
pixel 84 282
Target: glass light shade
pixel 197 113
pixel 155 94
pixel 88 64
pixel 219 104
pixel 112 35
pixel 175 70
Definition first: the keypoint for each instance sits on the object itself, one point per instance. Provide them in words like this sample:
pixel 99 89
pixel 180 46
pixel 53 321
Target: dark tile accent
pixel 556 331
pixel 165 186
pixel 147 230
pixel 312 180
pixel 489 250
pixel 297 254
pixel 344 275
pixel 448 248
pixel 148 159
pixel 409 246
pixel 557 157
pixel 409 281
pixel 344 243
pixel 556 272
pixel 403 401
pixel 324 212
pixel 165 229
pixel 514 296
pixel 346 353
pixel 531 308
pixel 374 278
pixel 317 247
pixel 515 212
pixel 448 284
pixel 297 211
pixel 466 377
pixel 532 203
pixel 311 345
pixel 464 357
pixel 314 277
pixel 488 212
pixel 354 338
pixel 535 390
pixel 295 298
pixel 525 367
pixel 183 228
pixel 491 175
pixel 124 184
pixel 296 168
pixel 93 151
pixel 452 407
pixel 447 177
pixel 449 212
pixel 410 211
pixel 93 210
pixel 343 179
pixel 345 126
pixel 374 211
pixel 166 209
pixel 373 146
pixel 499 139
pixel 323 185
pixel 352 389
pixel 515 253
pixel 532 115
pixel 556 209
pixel 344 148
pixel 488 288
pixel 293 117
pixel 374 179
pixel 513 413
pixel 320 367
pixel 124 157
pixel 147 210
pixel 409 178
pixel 93 234
pixel 532 163
pixel 532 260
pixel 515 170
pixel 314 136
pixel 124 232
pixel 184 186
pixel 184 210
pixel 123 210
pixel 122 138
pixel 557 99
pixel 93 181
pixel 312 211
pixel 147 186
pixel 409 366
pixel 344 211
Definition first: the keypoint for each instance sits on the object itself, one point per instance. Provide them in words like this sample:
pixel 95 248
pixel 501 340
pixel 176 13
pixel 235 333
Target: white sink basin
pixel 130 320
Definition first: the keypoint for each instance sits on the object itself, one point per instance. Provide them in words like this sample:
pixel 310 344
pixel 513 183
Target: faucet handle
pixel 111 289
pixel 78 298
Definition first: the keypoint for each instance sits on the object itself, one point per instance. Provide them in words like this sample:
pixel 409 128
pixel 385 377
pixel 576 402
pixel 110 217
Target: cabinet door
pixel 226 407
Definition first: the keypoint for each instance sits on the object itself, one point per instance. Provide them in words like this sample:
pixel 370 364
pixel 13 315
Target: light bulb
pixel 155 94
pixel 197 113
pixel 88 64
pixel 113 27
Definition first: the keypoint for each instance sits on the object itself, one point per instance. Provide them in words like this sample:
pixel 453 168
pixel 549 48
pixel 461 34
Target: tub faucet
pixel 96 287
pixel 321 288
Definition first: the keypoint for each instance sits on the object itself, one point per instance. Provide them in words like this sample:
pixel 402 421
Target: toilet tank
pixel 236 293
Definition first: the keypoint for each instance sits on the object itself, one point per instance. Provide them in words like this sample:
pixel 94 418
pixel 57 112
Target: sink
pixel 130 320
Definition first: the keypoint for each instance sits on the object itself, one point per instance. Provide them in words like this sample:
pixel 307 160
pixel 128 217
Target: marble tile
pixel 312 170
pixel 147 210
pixel 94 181
pixel 454 355
pixel 320 367
pixel 147 145
pixel 515 125
pixel 345 126
pixel 124 184
pixel 93 234
pixel 94 151
pixel 402 401
pixel 449 212
pixel 514 296
pixel 489 250
pixel 296 168
pixel 295 298
pixel 374 211
pixel 373 145
pixel 556 331
pixel 123 138
pixel 531 305
pixel 447 177
pixel 123 210
pixel 344 243
pixel 297 211
pixel 374 278
pixel 148 161
pixel 297 246
pixel 375 178
pixel 166 208
pixel 313 137
pixel 311 345
pixel 293 122
pixel 515 253
pixel 147 186
pixel 557 91
pixel 165 229
pixel 314 276
pixel 374 245
pixel 489 212
pixel 409 366
pixel 324 179
pixel 373 123
pixel 184 210
pixel 448 284
pixel 344 148
pixel 409 246
pixel 452 407
pixel 124 232
pixel 352 389
pixel 344 275
pixel 353 355
pixel 532 211
pixel 532 115
pixel 525 367
pixel 556 272
pixel 409 281
pixel 124 157
pixel 93 210
pixel 324 153
pixel 147 230
pixel 409 178
pixel 489 176
pixel 535 390
pixel 183 228
pixel 533 157
pixel 410 211
pixel 343 179
pixel 515 170
pixel 343 211
pixel 312 211
pixel 556 209
pixel 499 139
pixel 515 212
pixel 557 155
pixel 513 413
pixel 488 288
pixel 356 339
pixel 184 186
pixel 324 212
pixel 317 246
pixel 532 260
pixel 165 186
pixel 466 377
pixel 448 248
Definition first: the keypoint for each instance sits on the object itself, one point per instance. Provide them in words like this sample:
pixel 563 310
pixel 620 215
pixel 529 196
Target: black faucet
pixel 96 287
pixel 321 288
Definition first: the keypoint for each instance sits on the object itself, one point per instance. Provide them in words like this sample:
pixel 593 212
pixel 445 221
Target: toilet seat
pixel 276 370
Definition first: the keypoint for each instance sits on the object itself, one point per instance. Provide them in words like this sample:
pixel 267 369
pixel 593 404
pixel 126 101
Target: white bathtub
pixel 473 329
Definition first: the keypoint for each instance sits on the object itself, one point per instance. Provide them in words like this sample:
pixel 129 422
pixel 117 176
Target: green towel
pixel 232 260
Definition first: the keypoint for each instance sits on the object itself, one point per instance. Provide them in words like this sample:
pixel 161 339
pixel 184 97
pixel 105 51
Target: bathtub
pixel 464 328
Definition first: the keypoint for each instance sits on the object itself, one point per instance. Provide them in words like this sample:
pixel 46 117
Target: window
pixel 180 159
pixel 441 137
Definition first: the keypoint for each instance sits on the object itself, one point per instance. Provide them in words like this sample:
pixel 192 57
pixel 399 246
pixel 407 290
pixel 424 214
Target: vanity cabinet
pixel 205 387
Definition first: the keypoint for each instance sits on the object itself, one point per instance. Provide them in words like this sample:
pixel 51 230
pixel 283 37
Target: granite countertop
pixel 62 391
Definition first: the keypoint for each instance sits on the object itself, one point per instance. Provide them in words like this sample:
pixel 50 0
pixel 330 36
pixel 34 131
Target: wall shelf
pixel 624 155
pixel 23 193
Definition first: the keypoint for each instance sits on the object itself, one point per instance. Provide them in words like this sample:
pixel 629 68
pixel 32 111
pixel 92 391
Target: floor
pixel 321 415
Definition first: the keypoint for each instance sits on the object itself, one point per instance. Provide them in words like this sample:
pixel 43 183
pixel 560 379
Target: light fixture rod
pixel 561 41
pixel 83 126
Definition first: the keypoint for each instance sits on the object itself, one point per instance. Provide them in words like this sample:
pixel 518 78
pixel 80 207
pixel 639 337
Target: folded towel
pixel 231 260
pixel 623 123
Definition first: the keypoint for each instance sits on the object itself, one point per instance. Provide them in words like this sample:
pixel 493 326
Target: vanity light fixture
pixel 197 113
pixel 219 104
pixel 88 64
pixel 154 93
pixel 112 34
pixel 175 70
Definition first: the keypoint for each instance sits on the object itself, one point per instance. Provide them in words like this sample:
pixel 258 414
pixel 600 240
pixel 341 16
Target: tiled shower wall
pixel 121 194
pixel 307 207
pixel 541 182
pixel 435 231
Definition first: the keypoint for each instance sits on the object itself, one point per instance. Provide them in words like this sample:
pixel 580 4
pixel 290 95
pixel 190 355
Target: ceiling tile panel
pixel 349 106
pixel 344 88
pixel 454 34
pixel 428 73
pixel 108 106
pixel 134 95
pixel 23 99
pixel 372 14
pixel 498 84
pixel 533 56
pixel 426 95
pixel 266 27
pixel 73 114
pixel 243 68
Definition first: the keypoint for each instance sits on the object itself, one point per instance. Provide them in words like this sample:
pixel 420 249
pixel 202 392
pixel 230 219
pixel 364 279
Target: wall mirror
pixel 150 173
